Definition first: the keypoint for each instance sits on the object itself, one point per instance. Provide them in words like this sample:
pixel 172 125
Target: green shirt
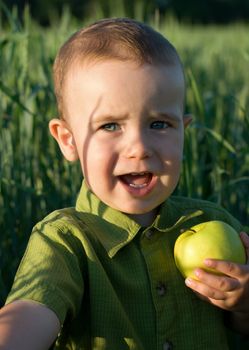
pixel 113 284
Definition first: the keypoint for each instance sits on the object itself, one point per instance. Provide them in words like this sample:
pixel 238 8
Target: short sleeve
pixel 50 272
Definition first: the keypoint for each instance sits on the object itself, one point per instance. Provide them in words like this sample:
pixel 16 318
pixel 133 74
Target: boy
pixel 102 275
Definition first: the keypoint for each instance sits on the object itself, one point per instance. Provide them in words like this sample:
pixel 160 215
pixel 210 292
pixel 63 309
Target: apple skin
pixel 212 239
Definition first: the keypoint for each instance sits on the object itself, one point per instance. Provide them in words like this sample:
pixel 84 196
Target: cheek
pixel 172 161
pixel 172 151
pixel 98 160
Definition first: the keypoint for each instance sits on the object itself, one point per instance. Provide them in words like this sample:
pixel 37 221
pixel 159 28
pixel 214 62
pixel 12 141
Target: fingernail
pixel 197 272
pixel 208 262
pixel 189 281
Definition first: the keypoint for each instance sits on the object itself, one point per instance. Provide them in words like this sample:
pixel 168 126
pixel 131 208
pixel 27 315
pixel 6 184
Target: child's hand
pixel 229 292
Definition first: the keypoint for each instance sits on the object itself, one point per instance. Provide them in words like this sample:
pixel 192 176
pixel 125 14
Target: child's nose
pixel 138 147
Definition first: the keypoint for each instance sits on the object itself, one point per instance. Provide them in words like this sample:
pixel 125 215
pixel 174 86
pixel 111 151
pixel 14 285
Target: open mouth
pixel 137 180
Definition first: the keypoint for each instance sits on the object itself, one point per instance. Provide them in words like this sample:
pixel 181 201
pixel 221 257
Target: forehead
pixel 116 83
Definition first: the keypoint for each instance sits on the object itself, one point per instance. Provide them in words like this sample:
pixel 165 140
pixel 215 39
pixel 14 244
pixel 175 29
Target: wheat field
pixel 34 178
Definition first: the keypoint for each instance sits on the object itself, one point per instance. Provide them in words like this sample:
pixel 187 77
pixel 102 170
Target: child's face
pixel 127 127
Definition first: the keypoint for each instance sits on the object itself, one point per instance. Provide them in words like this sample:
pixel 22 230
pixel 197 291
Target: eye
pixel 159 124
pixel 110 127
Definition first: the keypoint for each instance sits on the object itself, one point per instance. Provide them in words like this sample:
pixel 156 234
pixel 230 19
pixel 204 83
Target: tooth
pixel 138 186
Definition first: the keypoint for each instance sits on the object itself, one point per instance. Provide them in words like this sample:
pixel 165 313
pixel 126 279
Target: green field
pixel 35 180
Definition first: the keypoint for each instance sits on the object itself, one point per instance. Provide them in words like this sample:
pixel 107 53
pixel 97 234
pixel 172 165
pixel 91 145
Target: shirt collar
pixel 114 229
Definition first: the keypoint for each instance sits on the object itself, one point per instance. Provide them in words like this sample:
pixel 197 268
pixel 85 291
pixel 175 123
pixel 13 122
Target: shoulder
pixel 210 210
pixel 63 230
pixel 60 218
pixel 195 203
pixel 65 221
pixel 54 265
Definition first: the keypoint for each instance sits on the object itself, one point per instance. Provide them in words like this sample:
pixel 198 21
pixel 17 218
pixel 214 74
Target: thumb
pixel 245 239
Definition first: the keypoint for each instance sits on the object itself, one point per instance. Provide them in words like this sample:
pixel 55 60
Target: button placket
pixel 161 289
pixel 154 251
pixel 148 234
pixel 168 345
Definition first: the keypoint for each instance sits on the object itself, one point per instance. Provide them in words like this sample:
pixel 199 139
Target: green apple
pixel 212 239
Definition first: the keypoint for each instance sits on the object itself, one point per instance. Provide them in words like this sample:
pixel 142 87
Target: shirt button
pixel 149 234
pixel 161 289
pixel 168 345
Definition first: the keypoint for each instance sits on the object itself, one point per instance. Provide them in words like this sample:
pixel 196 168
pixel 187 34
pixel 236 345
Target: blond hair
pixel 118 38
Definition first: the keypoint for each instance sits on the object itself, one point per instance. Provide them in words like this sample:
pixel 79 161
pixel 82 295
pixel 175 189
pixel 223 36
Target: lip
pixel 140 190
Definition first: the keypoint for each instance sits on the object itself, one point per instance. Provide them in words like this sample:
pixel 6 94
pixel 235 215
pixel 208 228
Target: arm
pixel 27 325
pixel 230 291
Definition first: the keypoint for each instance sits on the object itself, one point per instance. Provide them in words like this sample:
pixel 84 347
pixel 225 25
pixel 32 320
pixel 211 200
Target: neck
pixel 145 219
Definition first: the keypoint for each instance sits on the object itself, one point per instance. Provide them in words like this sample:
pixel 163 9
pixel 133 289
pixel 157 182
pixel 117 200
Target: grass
pixel 34 179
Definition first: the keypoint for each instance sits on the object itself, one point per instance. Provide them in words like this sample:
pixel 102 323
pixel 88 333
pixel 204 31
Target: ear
pixel 187 119
pixel 60 130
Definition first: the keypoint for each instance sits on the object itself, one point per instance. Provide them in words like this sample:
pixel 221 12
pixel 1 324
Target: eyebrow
pixel 169 116
pixel 107 118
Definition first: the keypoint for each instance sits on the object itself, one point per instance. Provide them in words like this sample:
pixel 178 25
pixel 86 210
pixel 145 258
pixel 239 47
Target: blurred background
pixel 191 11
pixel 212 37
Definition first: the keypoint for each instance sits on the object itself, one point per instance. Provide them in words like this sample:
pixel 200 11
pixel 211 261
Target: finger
pixel 245 239
pixel 223 300
pixel 228 268
pixel 221 283
pixel 205 291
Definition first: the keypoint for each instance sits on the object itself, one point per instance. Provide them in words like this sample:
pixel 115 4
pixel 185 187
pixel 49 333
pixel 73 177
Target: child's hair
pixel 118 38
